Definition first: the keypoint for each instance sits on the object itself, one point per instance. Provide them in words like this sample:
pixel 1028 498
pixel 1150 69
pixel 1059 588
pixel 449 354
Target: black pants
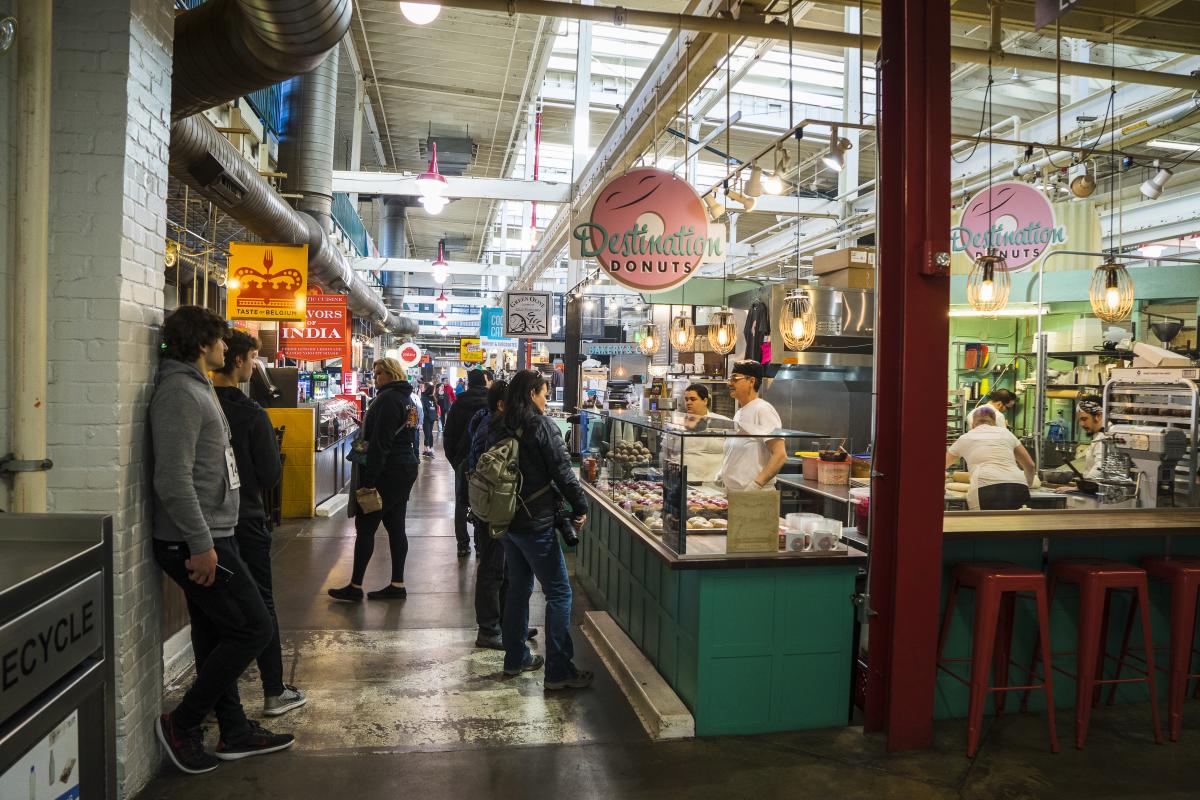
pixel 1003 497
pixel 254 545
pixel 491 584
pixel 427 424
pixel 461 504
pixel 394 488
pixel 230 627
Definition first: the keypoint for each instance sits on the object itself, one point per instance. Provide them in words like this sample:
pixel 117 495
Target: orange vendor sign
pixel 325 333
pixel 266 281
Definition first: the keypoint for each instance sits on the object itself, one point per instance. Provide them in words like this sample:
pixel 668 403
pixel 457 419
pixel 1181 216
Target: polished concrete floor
pixel 402 704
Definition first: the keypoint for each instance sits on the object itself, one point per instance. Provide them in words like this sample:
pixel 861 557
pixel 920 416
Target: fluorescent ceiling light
pixel 1007 311
pixel 1167 144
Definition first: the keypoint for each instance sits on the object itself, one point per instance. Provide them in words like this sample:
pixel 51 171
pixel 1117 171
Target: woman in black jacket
pixel 429 411
pixel 531 546
pixel 392 434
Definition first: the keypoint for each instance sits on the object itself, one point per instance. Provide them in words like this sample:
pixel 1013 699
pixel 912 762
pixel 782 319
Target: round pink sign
pixel 1014 219
pixel 648 230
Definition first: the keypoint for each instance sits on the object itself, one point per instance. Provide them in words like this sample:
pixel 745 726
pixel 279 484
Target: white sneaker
pixel 291 698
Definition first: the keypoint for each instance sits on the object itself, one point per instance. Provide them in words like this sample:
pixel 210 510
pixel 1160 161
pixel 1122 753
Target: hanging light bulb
pixel 420 13
pixel 651 339
pixel 798 323
pixel 430 183
pixel 1083 182
pixel 1152 189
pixel 682 331
pixel 434 204
pixel 442 302
pixel 171 255
pixel 715 209
pixel 722 331
pixel 1152 250
pixel 772 184
pixel 989 284
pixel 442 316
pixel 441 269
pixel 1111 291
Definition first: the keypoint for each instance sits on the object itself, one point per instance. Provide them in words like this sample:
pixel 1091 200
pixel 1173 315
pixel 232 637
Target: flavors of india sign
pixel 266 281
pixel 649 231
pixel 1014 219
pixel 325 332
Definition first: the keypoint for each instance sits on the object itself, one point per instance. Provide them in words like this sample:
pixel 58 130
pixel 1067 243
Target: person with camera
pixel 531 547
pixel 391 435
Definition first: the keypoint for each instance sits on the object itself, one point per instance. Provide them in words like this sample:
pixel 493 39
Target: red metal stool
pixel 996 585
pixel 1096 577
pixel 1182 575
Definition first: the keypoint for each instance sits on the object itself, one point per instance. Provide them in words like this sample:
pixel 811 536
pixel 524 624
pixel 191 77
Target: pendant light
pixel 722 331
pixel 651 340
pixel 798 323
pixel 715 209
pixel 442 302
pixel 441 268
pixel 434 204
pixel 420 13
pixel 988 285
pixel 683 332
pixel 754 185
pixel 1152 189
pixel 722 335
pixel 1111 291
pixel 1083 179
pixel 430 183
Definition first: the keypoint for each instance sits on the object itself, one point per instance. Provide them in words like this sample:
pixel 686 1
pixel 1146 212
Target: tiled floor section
pixel 403 705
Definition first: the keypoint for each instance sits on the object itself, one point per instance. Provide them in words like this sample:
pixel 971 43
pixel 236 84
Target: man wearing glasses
pixel 752 463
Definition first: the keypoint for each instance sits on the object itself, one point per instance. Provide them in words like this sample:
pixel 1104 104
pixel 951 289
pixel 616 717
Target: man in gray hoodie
pixel 196 486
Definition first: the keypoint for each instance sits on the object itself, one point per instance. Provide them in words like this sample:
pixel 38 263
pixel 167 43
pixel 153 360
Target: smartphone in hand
pixel 224 575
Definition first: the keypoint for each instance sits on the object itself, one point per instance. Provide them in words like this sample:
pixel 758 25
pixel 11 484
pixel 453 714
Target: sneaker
pixel 581 680
pixel 389 592
pixel 463 552
pixel 489 642
pixel 185 748
pixel 290 698
pixel 256 741
pixel 347 592
pixel 534 663
pixel 532 634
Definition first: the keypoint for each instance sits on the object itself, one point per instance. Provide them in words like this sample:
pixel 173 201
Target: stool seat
pixel 1169 568
pixel 996 584
pixel 1077 570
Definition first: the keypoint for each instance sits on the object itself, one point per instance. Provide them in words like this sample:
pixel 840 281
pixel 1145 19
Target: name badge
pixel 235 481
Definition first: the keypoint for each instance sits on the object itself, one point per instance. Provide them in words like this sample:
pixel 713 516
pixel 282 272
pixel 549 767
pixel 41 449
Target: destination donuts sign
pixel 649 231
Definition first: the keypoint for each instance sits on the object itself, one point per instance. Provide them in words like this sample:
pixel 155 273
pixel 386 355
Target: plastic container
pixel 810 468
pixel 833 473
pixel 860 466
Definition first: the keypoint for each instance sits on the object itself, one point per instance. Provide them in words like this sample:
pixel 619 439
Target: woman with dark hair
pixel 702 455
pixel 429 418
pixel 391 431
pixel 531 546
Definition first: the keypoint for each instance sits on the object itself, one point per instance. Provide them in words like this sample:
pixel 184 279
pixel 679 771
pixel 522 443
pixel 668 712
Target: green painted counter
pixel 751 643
pixel 1034 539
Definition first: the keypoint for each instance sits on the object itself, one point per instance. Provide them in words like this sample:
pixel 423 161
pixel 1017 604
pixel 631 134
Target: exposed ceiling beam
pixel 393 184
pixel 416 265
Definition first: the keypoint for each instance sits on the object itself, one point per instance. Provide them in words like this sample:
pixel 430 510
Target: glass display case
pixel 684 479
pixel 336 419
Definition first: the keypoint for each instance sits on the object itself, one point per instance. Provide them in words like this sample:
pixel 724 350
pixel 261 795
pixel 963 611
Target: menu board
pixel 753 521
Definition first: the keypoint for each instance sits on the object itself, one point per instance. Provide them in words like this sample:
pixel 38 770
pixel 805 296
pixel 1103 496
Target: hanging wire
pixel 987 99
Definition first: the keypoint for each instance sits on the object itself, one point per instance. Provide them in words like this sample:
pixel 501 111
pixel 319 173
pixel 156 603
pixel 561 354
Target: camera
pixel 562 523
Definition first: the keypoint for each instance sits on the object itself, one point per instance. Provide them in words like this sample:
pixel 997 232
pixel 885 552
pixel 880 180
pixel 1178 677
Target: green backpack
pixel 494 486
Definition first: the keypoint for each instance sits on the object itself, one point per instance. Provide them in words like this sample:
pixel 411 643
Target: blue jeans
pixel 528 555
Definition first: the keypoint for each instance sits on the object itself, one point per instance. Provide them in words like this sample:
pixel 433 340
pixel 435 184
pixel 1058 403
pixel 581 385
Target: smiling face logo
pixel 648 230
pixel 1013 218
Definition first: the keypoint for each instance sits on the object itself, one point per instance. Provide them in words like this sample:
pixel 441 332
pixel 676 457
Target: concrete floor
pixel 401 703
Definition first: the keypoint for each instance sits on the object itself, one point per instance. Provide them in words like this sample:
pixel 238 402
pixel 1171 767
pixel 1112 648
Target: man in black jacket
pixel 457 444
pixel 258 464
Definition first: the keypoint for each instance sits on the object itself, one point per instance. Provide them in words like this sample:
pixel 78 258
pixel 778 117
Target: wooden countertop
pixel 719 560
pixel 1121 522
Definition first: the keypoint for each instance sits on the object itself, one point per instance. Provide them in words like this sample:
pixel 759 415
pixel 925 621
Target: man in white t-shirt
pixel 751 463
pixel 1001 469
pixel 1002 401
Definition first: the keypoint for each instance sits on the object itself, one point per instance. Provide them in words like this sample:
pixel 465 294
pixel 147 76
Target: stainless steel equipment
pixel 1153 452
pixel 1163 399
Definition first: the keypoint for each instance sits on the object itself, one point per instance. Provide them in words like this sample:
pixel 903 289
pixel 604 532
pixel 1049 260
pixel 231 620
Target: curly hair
pixel 237 343
pixel 187 330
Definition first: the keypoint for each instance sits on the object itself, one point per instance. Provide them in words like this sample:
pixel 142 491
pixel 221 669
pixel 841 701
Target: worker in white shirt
pixel 1000 400
pixel 1000 467
pixel 752 463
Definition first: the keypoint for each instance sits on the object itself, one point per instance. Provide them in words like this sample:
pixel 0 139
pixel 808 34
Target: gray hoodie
pixel 193 501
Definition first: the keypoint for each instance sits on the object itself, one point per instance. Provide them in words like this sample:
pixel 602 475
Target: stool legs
pixel 1043 613
pixel 1183 630
pixel 1000 661
pixel 981 662
pixel 1091 610
pixel 1143 600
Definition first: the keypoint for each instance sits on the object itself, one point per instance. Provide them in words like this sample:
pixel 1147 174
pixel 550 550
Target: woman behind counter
pixel 702 455
pixel 751 463
pixel 1000 467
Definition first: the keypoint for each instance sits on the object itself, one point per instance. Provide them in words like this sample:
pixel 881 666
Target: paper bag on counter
pixel 753 522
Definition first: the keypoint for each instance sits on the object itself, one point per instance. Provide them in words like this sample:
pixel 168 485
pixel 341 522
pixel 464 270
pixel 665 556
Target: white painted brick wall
pixel 8 113
pixel 110 133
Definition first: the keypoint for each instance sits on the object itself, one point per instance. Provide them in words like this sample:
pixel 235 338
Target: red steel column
pixel 911 355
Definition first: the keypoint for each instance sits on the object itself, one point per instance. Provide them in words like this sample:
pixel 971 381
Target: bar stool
pixel 996 585
pixel 1182 575
pixel 1096 578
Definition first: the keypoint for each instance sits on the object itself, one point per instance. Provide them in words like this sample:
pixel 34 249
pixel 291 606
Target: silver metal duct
pixel 205 160
pixel 306 151
pixel 227 48
pixel 393 243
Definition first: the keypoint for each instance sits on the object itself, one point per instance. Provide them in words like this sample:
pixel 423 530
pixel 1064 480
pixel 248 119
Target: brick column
pixel 111 116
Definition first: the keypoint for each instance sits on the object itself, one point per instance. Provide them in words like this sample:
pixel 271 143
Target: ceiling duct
pixel 393 230
pixel 455 153
pixel 227 48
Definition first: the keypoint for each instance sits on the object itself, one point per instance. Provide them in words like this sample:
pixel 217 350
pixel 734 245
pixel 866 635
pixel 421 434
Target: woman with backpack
pixel 392 433
pixel 531 546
